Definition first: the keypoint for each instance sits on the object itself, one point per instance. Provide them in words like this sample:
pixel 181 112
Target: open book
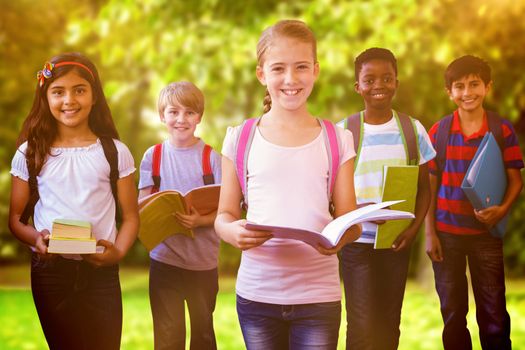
pixel 156 212
pixel 332 233
pixel 399 182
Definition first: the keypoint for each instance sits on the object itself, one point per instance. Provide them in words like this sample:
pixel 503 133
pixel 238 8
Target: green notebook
pixel 399 182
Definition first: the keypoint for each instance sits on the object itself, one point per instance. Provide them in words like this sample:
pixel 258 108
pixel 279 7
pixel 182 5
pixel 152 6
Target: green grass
pixel 420 326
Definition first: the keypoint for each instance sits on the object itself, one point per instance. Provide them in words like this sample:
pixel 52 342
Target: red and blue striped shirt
pixel 454 213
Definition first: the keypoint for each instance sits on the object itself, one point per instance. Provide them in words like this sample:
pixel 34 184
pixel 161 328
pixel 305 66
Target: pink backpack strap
pixel 332 145
pixel 242 149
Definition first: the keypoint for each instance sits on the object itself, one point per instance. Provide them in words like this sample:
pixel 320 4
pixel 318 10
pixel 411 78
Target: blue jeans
pixel 169 287
pixel 79 305
pixel 485 260
pixel 280 327
pixel 374 281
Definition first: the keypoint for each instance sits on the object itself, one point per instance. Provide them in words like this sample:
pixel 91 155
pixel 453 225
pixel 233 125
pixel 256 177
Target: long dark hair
pixel 40 127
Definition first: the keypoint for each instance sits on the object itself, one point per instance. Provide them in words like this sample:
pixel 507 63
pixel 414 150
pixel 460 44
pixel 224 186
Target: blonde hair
pixel 184 93
pixel 288 28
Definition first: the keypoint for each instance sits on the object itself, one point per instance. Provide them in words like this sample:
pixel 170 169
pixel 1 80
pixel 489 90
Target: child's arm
pixel 113 253
pixel 228 224
pixel 422 202
pixel 344 201
pixel 491 215
pixel 433 245
pixel 25 233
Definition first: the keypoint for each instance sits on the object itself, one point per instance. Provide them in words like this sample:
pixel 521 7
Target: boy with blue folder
pixel 375 279
pixel 455 231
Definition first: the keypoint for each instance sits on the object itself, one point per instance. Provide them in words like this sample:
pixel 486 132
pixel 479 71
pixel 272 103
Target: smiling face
pixel 70 99
pixel 288 71
pixel 469 92
pixel 377 84
pixel 181 122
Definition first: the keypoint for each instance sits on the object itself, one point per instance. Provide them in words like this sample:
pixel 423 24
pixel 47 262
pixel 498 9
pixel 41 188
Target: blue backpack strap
pixel 354 123
pixel 111 153
pixel 442 134
pixel 242 149
pixel 34 195
pixel 409 135
pixel 494 123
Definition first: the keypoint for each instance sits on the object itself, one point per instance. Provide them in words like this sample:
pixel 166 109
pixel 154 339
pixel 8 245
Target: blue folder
pixel 485 181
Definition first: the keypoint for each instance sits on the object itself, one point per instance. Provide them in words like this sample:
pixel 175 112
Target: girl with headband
pixel 62 170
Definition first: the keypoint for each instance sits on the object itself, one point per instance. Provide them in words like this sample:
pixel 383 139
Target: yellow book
pixel 157 219
pixel 67 228
pixel 399 183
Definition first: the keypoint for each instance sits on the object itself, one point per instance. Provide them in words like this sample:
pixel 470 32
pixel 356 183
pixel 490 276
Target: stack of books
pixel 71 237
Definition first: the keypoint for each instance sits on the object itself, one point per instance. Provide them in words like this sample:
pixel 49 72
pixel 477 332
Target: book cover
pixel 485 181
pixel 332 233
pixel 67 228
pixel 399 182
pixel 157 221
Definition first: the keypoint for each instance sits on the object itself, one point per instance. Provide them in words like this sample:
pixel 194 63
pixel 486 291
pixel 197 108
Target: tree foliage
pixel 139 46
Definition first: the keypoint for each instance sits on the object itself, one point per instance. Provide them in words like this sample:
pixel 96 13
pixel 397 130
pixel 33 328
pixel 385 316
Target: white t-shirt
pixel 74 184
pixel 287 186
pixel 181 170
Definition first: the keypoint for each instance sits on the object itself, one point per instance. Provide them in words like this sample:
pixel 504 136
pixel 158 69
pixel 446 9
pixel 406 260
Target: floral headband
pixel 46 72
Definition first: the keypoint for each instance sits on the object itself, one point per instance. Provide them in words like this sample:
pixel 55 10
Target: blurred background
pixel 140 46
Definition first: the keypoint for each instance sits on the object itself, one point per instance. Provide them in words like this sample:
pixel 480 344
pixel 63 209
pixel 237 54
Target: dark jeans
pixel 169 287
pixel 485 260
pixel 374 281
pixel 79 305
pixel 280 327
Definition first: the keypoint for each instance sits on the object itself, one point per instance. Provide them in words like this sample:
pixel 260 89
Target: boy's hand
pixel 433 248
pixel 192 220
pixel 245 239
pixel 110 256
pixel 405 239
pixel 491 215
pixel 42 241
pixel 349 236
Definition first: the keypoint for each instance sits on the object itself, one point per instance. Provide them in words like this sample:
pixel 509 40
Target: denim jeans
pixel 280 327
pixel 484 254
pixel 169 287
pixel 374 281
pixel 79 305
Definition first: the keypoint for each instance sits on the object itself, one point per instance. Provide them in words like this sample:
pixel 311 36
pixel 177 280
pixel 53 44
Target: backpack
pixel 244 142
pixel 207 176
pixel 111 154
pixel 443 131
pixel 406 125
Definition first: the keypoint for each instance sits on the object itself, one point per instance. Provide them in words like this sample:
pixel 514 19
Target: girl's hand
pixel 349 236
pixel 490 216
pixel 41 242
pixel 433 248
pixel 192 220
pixel 110 256
pixel 245 239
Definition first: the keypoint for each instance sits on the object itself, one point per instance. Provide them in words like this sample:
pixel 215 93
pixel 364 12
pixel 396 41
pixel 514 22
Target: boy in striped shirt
pixel 375 280
pixel 456 232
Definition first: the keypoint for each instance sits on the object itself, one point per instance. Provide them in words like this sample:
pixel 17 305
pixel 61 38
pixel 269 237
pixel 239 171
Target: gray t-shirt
pixel 181 169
